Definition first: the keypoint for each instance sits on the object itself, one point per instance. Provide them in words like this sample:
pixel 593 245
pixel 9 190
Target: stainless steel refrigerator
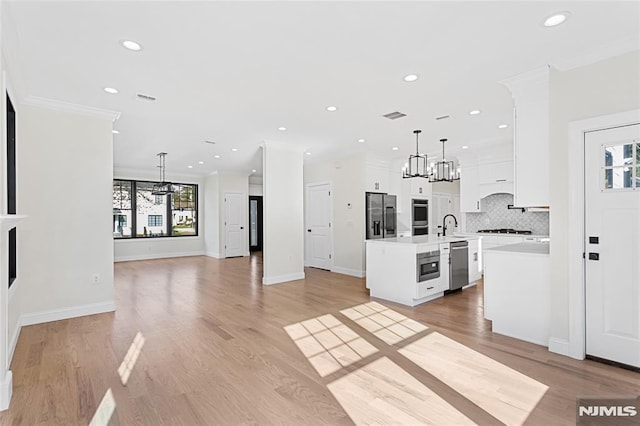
pixel 381 215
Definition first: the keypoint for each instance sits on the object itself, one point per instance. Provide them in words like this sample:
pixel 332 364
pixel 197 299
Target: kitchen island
pixel 517 291
pixel 393 273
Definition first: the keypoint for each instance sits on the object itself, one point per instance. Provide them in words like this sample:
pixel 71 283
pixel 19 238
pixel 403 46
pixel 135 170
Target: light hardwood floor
pixel 200 341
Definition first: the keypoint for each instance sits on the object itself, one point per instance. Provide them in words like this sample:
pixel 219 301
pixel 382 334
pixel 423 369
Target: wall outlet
pixel 95 278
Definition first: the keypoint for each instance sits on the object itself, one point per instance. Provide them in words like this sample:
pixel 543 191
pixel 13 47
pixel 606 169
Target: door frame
pixel 306 205
pixel 258 198
pixel 576 345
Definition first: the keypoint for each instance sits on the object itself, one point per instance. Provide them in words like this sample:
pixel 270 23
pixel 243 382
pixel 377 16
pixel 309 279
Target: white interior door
pixel 318 236
pixel 612 234
pixel 234 224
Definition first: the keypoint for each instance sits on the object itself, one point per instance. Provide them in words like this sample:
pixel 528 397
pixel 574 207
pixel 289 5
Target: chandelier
pixel 162 187
pixel 443 171
pixel 417 165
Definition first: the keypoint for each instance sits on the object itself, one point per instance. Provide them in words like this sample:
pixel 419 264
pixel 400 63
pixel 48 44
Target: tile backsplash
pixel 496 215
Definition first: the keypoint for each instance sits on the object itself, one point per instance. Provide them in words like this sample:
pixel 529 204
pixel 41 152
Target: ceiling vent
pixel 394 115
pixel 443 117
pixel 146 98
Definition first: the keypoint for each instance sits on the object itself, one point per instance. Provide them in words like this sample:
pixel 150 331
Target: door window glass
pixel 253 218
pixel 621 166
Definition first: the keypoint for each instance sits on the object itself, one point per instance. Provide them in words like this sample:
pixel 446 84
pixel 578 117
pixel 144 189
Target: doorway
pixel 255 223
pixel 318 235
pixel 234 223
pixel 612 244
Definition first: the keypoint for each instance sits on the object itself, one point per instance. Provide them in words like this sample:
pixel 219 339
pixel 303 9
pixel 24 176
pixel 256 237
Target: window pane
pixel 253 220
pixel 184 210
pixel 618 178
pixel 148 205
pixel 638 177
pixel 619 155
pixel 122 209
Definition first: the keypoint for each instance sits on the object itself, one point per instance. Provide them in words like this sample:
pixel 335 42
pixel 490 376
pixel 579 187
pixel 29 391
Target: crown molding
pixel 285 146
pixel 605 51
pixel 71 108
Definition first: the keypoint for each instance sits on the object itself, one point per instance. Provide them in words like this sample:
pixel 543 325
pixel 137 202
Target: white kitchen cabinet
pixel 475 267
pixel 530 92
pixel 420 187
pixel 469 189
pixel 376 178
pixel 495 177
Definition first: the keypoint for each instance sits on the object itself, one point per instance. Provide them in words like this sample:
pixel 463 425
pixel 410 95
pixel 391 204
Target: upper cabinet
pixel 530 93
pixel 469 188
pixel 376 175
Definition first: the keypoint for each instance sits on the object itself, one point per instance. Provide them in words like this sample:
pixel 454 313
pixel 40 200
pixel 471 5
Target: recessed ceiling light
pixel 411 77
pixel 111 90
pixel 308 153
pixel 465 146
pixel 332 108
pixel 474 112
pixel 395 148
pixel 253 170
pixel 361 140
pixel 115 132
pixel 556 19
pixel 282 129
pixel 216 156
pixel 200 162
pixel 502 126
pixel 189 167
pixel 234 149
pixel 131 45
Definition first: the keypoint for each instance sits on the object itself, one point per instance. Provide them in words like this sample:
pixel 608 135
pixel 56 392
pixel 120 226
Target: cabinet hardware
pixel 501 180
pixel 430 288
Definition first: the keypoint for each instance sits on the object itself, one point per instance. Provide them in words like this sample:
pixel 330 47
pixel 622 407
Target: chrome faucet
pixel 444 223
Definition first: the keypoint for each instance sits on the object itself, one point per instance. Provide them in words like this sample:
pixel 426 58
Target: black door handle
pixel 594 256
pixel 308 230
pixel 242 227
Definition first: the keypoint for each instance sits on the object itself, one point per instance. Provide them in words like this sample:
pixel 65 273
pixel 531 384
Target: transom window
pixel 622 166
pixel 139 213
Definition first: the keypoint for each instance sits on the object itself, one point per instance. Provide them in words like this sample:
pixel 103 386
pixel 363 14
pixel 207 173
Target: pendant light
pixel 162 187
pixel 417 165
pixel 444 171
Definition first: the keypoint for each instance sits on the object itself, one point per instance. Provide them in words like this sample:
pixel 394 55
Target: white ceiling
pixel 233 72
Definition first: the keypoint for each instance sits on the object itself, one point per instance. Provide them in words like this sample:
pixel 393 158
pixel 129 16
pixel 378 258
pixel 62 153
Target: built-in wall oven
pixel 419 217
pixel 428 266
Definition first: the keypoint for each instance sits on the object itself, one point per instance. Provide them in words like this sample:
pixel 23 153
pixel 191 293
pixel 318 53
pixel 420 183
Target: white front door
pixel 612 244
pixel 318 236
pixel 235 222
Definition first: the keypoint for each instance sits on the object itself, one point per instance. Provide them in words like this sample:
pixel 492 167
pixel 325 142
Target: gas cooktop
pixel 505 231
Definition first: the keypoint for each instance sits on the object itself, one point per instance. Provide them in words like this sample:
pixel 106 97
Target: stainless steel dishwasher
pixel 458 265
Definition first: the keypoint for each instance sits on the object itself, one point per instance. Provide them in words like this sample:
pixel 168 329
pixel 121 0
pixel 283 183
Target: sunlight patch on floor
pixel 383 393
pixel 328 344
pixel 105 410
pixel 130 358
pixel 386 324
pixel 506 394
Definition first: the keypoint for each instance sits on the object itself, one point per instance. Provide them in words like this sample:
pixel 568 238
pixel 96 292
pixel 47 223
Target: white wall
pixel 606 87
pixel 211 215
pixel 255 185
pixel 347 185
pixel 283 244
pixel 155 248
pixel 65 169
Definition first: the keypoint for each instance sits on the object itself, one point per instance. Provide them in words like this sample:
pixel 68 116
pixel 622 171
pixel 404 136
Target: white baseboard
pixel 282 278
pixel 14 339
pixel 6 389
pixel 158 256
pixel 559 346
pixel 213 254
pixel 66 313
pixel 347 271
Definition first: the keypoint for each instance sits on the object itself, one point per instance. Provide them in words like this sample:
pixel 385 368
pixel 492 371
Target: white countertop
pixel 500 234
pixel 423 239
pixel 525 248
